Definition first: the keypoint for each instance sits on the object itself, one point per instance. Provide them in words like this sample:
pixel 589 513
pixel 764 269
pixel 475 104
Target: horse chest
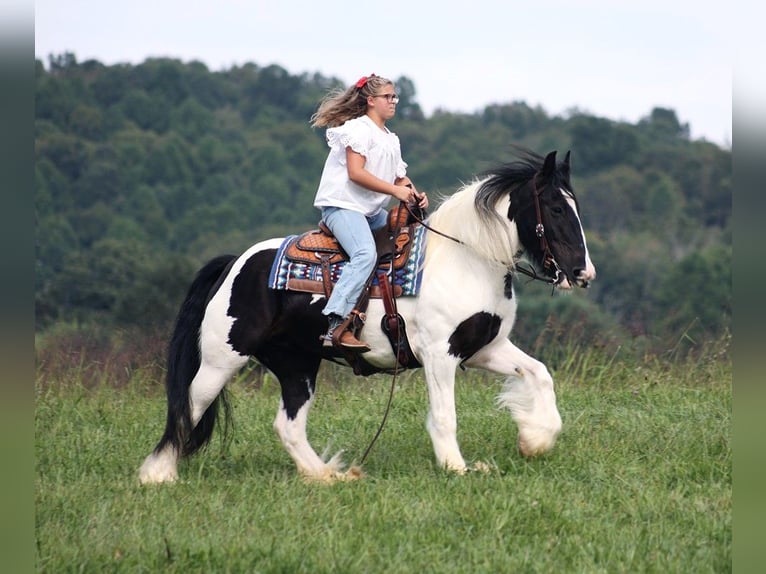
pixel 462 292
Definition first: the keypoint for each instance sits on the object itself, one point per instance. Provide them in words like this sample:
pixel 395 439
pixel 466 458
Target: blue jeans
pixel 354 233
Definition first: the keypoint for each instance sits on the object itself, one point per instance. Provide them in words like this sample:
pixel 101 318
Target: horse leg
pixel 298 383
pixel 442 418
pixel 290 426
pixel 162 464
pixel 528 393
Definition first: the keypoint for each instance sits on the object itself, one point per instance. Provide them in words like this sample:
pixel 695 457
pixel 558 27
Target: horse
pixel 462 315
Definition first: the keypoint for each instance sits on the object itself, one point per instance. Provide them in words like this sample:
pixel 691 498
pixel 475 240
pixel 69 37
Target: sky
pixel 617 60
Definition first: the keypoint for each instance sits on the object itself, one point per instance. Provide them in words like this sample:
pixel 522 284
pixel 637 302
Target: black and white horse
pixel 462 315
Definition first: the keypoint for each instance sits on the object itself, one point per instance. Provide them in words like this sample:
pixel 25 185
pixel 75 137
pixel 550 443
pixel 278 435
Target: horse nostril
pixel 581 276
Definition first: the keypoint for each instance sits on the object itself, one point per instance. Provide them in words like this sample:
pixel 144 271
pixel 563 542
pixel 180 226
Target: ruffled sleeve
pixel 401 168
pixel 353 134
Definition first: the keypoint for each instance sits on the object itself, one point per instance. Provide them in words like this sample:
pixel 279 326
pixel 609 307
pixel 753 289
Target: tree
pixel 68 153
pixel 600 143
pixel 191 120
pixel 696 295
pixel 163 79
pixel 663 122
pixel 408 108
pixel 87 122
pixel 101 180
pixel 518 117
pixel 148 113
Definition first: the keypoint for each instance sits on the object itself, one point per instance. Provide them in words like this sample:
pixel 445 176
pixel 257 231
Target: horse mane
pixel 477 213
pixel 504 179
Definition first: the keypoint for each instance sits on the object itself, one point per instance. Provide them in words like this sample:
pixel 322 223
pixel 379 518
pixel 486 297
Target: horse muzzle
pixel 583 277
pixel 579 277
pixel 563 283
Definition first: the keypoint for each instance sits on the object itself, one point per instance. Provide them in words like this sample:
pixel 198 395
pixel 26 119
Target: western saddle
pixel 394 244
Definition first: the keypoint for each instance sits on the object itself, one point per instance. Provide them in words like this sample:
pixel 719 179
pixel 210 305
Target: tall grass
pixel 639 481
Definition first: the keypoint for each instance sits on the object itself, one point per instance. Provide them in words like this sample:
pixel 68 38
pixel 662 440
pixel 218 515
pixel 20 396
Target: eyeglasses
pixel 390 98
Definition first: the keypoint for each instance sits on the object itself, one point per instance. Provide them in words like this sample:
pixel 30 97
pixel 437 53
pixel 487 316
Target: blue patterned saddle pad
pixel 291 275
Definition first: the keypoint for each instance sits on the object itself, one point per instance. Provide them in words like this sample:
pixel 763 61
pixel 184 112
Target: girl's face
pixel 384 103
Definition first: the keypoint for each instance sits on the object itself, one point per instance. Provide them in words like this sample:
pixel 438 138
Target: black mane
pixel 509 177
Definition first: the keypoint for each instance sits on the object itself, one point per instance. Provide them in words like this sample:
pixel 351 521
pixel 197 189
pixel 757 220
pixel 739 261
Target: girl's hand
pixel 405 193
pixel 417 198
pixel 421 199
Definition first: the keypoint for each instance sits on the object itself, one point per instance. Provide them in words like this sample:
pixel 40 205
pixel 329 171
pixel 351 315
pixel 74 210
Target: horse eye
pixel 557 210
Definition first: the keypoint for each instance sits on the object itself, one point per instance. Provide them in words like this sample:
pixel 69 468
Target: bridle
pixel 549 261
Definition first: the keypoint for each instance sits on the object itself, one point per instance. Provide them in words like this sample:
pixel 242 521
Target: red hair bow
pixel 363 80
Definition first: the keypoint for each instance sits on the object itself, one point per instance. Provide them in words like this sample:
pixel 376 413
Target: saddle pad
pixel 284 272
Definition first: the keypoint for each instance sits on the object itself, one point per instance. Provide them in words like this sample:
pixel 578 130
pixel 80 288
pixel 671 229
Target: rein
pixel 385 414
pixel 389 301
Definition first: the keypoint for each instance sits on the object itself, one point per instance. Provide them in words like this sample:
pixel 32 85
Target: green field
pixel 639 481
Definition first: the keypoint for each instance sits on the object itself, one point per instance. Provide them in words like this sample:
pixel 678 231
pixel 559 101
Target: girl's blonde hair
pixel 341 105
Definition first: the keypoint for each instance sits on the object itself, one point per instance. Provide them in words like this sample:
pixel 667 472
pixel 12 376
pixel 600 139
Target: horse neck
pixel 493 239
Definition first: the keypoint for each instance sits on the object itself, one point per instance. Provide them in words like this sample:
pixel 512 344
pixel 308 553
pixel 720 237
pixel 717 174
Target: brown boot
pixel 348 341
pixel 344 338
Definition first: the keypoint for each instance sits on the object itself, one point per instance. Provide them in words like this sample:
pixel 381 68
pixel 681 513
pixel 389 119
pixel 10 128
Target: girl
pixel 363 170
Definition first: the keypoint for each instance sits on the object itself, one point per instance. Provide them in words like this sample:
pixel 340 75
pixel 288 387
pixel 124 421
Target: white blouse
pixel 383 156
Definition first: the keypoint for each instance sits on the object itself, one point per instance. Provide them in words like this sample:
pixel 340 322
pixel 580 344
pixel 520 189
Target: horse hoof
pixel 148 478
pixel 482 467
pixel 455 469
pixel 354 473
pixel 331 476
pixel 156 469
pixel 530 448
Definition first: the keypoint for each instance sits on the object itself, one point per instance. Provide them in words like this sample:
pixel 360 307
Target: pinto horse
pixel 461 315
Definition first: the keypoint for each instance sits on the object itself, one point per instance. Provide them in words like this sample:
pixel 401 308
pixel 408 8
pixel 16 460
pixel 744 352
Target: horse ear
pixel 565 164
pixel 549 165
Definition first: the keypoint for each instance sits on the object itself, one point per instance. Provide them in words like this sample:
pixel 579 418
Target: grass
pixel 640 480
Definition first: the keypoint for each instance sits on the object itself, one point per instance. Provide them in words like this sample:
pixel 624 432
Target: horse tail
pixel 183 362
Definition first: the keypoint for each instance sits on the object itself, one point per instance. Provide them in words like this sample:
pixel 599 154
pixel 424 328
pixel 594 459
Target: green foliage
pixel 548 326
pixel 699 287
pixel 601 143
pixel 165 161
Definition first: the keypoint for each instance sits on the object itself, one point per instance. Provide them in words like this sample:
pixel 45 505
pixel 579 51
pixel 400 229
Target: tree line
pixel 143 172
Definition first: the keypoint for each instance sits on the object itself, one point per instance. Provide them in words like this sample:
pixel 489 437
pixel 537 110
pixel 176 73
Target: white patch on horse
pixel 589 273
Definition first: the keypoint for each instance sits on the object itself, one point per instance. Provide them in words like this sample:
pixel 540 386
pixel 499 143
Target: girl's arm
pixel 402 189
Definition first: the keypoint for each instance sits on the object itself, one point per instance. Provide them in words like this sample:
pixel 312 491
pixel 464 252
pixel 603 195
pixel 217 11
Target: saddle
pixel 320 247
pixel 394 243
